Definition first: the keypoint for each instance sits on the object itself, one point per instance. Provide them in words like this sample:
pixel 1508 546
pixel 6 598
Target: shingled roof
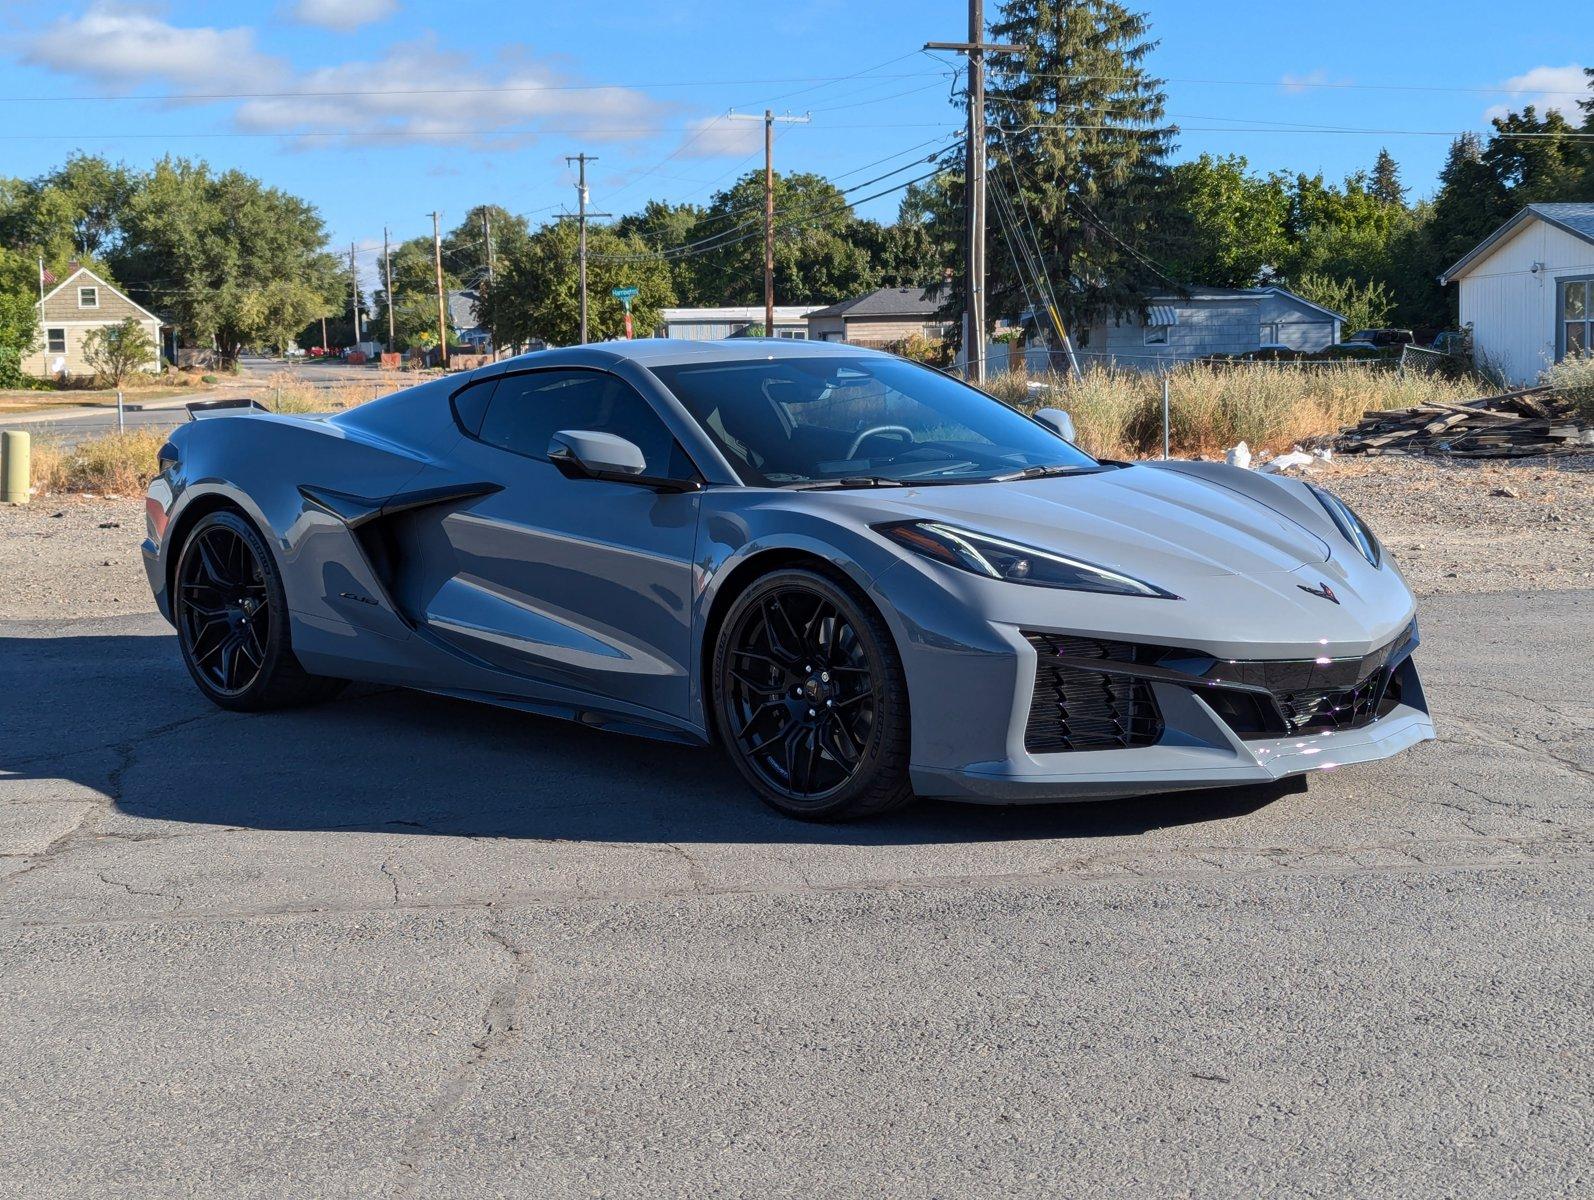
pixel 1574 218
pixel 888 302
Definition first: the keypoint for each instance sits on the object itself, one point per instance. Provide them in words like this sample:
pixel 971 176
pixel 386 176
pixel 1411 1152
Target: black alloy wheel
pixel 811 700
pixel 230 612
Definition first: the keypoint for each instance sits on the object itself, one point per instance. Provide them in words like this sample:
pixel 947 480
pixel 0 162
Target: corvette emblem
pixel 1323 590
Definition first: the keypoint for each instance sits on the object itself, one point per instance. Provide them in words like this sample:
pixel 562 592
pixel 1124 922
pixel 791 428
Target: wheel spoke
pixel 843 746
pixel 752 718
pixel 755 686
pixel 759 747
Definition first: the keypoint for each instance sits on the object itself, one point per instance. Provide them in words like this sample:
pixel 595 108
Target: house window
pixel 88 297
pixel 1577 317
pixel 1156 335
pixel 55 341
pixel 796 335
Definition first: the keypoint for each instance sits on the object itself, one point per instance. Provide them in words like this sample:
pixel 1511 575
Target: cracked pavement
pixel 404 946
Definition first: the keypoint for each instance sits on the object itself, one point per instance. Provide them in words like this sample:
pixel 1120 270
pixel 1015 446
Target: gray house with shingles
pixel 881 317
pixel 1211 320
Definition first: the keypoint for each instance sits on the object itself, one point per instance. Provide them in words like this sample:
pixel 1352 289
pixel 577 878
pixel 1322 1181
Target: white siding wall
pixel 1511 309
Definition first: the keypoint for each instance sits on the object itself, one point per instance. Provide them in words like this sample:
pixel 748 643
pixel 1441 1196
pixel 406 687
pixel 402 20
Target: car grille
pixel 1075 709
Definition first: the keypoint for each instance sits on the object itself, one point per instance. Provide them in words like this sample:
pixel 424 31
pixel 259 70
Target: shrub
pixel 123 463
pixel 116 351
pixel 936 352
pixel 1573 377
pixel 208 379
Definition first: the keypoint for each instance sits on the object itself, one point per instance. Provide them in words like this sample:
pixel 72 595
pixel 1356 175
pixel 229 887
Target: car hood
pixel 1151 523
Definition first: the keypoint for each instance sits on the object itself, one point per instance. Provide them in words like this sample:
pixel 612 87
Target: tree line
pixel 1090 213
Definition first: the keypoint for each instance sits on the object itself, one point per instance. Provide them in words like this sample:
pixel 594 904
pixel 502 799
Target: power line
pixel 1302 84
pixel 494 89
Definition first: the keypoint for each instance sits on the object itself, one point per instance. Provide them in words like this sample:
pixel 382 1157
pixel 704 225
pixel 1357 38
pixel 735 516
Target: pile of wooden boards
pixel 1513 425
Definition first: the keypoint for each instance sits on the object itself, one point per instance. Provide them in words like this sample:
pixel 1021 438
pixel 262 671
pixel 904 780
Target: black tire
pixel 231 615
pixel 810 699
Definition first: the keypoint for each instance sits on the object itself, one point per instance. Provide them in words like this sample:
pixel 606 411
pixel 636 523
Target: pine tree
pixel 1080 146
pixel 1385 183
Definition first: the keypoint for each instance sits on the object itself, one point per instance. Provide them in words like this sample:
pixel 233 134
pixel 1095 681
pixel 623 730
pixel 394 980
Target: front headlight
pixel 1354 529
pixel 996 558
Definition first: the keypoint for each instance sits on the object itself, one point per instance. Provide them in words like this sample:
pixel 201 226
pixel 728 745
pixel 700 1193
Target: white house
pixel 1527 290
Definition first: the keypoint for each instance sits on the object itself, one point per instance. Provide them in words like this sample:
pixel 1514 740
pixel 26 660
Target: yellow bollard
pixel 15 459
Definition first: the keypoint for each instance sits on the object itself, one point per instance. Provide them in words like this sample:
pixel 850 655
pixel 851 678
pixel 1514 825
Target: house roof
pixel 737 312
pixel 887 302
pixel 1576 219
pixel 1222 293
pixel 111 287
pixel 462 310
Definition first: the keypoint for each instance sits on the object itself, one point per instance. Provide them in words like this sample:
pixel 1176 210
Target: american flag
pixel 46 276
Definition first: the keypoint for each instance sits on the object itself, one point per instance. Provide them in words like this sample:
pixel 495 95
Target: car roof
pixel 658 352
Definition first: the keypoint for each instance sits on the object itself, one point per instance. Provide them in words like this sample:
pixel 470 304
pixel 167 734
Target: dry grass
pixel 1118 412
pixel 287 393
pixel 118 463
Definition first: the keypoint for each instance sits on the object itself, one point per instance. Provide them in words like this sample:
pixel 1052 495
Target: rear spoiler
pixel 199 410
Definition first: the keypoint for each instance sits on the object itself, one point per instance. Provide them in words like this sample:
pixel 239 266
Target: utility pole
pixel 769 120
pixel 974 183
pixel 442 319
pixel 387 282
pixel 582 215
pixel 487 236
pixel 354 292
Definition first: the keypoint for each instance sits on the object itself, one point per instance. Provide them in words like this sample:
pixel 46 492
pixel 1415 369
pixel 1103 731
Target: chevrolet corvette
pixel 865 579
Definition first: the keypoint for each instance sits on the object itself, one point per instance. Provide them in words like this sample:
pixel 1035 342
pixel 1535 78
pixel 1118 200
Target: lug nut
pixel 824 677
pixel 811 713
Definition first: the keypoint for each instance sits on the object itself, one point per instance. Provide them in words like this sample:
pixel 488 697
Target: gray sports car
pixel 866 579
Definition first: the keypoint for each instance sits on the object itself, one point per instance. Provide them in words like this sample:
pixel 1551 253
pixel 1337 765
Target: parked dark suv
pixel 1378 338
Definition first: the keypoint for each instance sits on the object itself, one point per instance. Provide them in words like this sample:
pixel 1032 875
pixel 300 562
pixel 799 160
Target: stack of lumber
pixel 1513 425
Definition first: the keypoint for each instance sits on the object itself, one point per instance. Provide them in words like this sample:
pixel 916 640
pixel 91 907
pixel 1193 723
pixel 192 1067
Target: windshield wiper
pixel 1037 473
pixel 855 481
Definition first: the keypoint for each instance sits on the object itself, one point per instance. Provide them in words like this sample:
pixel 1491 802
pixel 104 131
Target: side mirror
pixel 1058 422
pixel 588 454
pixel 598 455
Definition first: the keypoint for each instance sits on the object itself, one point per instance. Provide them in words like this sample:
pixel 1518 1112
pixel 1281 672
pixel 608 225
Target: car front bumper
pixel 1179 763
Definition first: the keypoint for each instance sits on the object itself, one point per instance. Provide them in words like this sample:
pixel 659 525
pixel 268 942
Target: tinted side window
pixel 527 410
pixel 470 405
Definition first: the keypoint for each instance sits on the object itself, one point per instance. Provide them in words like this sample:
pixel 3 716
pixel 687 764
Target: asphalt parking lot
pixel 403 946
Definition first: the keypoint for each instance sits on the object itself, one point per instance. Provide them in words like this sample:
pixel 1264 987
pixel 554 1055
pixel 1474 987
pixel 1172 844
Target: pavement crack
pixel 392 877
pixel 500 1030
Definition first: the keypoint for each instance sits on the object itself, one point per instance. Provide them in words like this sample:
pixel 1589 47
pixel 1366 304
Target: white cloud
pixel 1546 88
pixel 415 92
pixel 126 47
pixel 1295 84
pixel 720 137
pixel 341 14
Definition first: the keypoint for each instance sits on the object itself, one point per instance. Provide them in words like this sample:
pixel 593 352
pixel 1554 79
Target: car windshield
pixel 804 420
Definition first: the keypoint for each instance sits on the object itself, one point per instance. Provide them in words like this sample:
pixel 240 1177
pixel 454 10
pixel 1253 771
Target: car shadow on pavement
pixel 119 714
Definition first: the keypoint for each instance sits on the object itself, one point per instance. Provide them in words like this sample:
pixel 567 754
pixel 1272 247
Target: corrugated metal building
pixel 1527 290
pixel 711 324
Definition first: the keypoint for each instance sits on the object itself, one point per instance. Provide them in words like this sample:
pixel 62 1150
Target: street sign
pixel 624 295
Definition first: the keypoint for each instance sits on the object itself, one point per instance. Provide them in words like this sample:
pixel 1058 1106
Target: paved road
pixel 256 378
pixel 401 946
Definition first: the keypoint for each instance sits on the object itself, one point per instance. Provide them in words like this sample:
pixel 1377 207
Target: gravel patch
pixel 1451 527
pixel 72 556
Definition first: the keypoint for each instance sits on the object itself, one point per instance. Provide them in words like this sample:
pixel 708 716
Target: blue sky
pixel 458 104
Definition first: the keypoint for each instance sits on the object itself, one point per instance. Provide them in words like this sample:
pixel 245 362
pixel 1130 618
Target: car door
pixel 581 583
